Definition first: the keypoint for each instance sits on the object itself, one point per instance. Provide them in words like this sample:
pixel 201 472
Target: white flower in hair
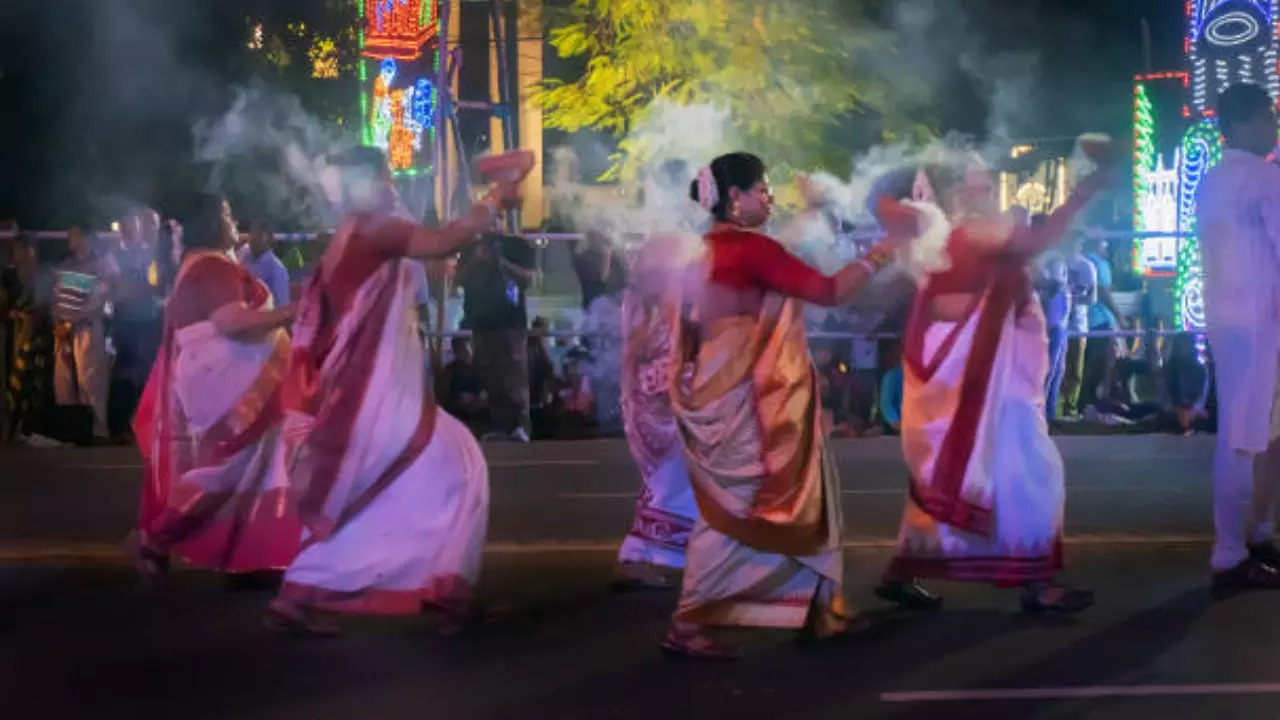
pixel 708 195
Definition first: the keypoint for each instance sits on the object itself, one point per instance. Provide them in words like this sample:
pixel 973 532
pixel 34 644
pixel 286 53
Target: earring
pixel 735 210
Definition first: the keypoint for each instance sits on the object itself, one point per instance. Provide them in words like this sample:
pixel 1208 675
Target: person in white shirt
pixel 1238 220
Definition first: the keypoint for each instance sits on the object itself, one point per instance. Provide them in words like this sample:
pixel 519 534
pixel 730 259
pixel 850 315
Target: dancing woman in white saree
pixel 393 492
pixel 209 421
pixel 986 488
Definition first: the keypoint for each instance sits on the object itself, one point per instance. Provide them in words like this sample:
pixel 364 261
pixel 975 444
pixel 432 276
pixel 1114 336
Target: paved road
pixel 583 493
pixel 80 637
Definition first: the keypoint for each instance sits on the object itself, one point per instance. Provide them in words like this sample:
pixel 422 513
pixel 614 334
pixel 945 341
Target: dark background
pixel 98 98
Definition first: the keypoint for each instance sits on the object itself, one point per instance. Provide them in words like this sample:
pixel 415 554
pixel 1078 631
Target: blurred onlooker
pixel 81 365
pixel 6 300
pixel 891 390
pixel 1143 367
pixel 863 382
pixel 1055 299
pixel 1187 385
pixel 136 316
pixel 1101 353
pixel 464 396
pixel 495 273
pixel 29 382
pixel 602 274
pixel 833 386
pixel 542 378
pixel 575 403
pixel 262 261
pixel 1082 282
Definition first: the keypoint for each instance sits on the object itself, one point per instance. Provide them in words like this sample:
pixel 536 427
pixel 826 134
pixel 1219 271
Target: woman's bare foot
pixel 287 617
pixel 689 641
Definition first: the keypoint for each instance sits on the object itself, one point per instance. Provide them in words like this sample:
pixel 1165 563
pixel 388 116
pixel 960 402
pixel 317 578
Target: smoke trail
pixel 268 150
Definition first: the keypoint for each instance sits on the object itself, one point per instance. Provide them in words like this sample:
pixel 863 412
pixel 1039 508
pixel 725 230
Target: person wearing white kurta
pixel 1238 221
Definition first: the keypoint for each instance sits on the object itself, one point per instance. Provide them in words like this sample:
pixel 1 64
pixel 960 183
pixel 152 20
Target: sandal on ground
pixel 297 620
pixel 1068 601
pixel 642 576
pixel 697 646
pixel 908 595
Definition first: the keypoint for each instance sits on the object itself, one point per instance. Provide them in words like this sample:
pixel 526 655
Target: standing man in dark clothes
pixel 495 274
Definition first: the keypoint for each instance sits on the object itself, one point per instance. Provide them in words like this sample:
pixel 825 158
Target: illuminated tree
pixel 790 74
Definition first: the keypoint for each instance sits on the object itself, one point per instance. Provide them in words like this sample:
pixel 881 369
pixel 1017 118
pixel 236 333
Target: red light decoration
pixel 397 28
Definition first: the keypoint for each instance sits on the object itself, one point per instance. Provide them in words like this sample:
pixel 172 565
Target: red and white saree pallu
pixel 666 508
pixel 394 492
pixel 986 496
pixel 208 426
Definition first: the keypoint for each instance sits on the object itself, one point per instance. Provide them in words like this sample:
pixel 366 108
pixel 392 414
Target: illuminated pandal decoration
pixel 397 118
pixel 1227 42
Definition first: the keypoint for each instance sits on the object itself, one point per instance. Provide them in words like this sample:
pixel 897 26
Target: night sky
pixel 93 107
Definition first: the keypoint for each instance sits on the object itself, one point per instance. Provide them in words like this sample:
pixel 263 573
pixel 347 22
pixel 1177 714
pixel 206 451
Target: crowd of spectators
pixel 82 325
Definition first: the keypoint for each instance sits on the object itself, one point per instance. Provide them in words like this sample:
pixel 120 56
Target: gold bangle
pixel 878 256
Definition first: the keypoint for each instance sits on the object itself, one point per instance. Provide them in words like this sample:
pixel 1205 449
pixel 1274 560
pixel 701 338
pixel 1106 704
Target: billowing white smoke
pixel 267 147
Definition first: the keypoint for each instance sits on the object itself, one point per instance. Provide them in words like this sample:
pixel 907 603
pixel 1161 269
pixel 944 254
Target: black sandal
pixel 908 595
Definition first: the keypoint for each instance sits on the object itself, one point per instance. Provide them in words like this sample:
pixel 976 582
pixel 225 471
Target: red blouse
pixel 210 283
pixel 747 260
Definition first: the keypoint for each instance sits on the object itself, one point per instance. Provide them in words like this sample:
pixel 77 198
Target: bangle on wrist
pixel 868 267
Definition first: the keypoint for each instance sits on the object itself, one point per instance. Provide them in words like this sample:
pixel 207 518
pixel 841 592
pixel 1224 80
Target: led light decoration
pixel 1201 150
pixel 1227 42
pixel 399 105
pixel 398 28
pixel 1156 160
pixel 1230 41
pixel 1144 150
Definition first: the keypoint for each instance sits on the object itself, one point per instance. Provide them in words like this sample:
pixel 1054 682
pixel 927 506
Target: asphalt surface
pixel 80 637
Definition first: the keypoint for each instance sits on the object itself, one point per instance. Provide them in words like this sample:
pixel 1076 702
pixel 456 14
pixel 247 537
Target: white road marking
pixel 1093 691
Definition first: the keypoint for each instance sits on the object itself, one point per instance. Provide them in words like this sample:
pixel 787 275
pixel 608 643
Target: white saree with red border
pixel 986 492
pixel 208 426
pixel 666 508
pixel 394 492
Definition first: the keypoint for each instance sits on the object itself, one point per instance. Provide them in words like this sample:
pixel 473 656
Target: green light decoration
pixel 1144 160
pixel 1201 150
pixel 366 132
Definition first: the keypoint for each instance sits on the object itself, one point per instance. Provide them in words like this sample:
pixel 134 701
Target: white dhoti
pixel 1246 461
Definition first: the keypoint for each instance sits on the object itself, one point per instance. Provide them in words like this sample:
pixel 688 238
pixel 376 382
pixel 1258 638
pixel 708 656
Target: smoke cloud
pixel 268 151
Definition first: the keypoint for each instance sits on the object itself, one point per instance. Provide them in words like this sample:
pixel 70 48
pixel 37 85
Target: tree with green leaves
pixel 791 75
